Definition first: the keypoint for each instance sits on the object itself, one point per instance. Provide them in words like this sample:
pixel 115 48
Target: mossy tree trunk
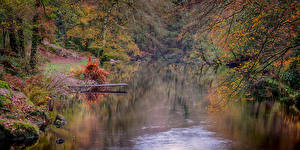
pixel 35 42
pixel 4 38
pixel 21 38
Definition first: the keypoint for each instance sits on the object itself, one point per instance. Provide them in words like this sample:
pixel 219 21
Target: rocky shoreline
pixel 21 120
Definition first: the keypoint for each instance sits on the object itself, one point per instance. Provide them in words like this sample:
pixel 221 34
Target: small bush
pixel 92 71
pixel 37 95
pixel 36 91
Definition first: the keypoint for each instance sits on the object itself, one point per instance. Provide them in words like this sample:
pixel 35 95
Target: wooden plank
pixel 98 85
pixel 99 92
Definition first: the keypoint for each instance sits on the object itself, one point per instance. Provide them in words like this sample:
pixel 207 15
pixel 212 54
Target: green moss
pixel 26 129
pixel 29 103
pixel 19 130
pixel 4 100
pixel 4 84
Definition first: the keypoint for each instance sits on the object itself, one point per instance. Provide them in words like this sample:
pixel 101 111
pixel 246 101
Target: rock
pixel 112 61
pixel 19 94
pixel 11 93
pixel 59 117
pixel 59 121
pixel 5 92
pixel 18 131
pixel 60 51
pixel 60 141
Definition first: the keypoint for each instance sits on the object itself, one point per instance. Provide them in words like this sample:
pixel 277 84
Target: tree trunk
pixel 35 42
pixel 21 38
pixel 105 22
pixel 13 41
pixel 4 38
pixel 104 28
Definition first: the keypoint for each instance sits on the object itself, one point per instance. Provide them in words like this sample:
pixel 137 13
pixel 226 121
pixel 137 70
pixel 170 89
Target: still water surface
pixel 163 110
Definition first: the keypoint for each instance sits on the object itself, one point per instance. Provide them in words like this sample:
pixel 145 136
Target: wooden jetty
pixel 85 88
pixel 98 85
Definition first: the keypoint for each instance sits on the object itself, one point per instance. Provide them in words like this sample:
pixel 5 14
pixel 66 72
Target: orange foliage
pixel 216 99
pixel 92 71
pixel 92 98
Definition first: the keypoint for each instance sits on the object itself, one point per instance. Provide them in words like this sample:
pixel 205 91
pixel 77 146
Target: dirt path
pixel 59 66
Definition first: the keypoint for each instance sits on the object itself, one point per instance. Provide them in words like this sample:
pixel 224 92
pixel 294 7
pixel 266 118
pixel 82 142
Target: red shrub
pixel 92 71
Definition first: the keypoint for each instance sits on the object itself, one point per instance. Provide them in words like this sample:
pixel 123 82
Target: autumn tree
pixel 102 29
pixel 258 40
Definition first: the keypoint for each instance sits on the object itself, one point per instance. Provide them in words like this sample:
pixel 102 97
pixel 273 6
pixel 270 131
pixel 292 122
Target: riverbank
pixel 22 118
pixel 28 103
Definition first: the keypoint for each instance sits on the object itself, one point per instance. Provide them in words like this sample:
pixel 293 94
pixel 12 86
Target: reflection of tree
pixel 114 119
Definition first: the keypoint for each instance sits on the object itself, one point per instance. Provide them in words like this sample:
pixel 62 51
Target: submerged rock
pixel 59 121
pixel 60 141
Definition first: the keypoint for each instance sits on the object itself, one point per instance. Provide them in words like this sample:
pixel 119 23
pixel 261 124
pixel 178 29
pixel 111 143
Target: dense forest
pixel 251 46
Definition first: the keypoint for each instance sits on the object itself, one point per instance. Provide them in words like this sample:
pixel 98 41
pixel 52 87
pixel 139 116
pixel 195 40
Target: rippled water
pixel 191 138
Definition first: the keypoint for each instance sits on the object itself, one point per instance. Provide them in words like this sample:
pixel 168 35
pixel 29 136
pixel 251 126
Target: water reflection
pixel 192 138
pixel 260 125
pixel 165 108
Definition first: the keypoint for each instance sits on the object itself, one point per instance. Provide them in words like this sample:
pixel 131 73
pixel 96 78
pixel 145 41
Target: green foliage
pixel 15 66
pixel 37 95
pixel 28 102
pixel 3 101
pixel 292 76
pixel 279 84
pixel 4 84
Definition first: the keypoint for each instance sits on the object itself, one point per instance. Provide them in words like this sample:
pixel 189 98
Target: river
pixel 166 109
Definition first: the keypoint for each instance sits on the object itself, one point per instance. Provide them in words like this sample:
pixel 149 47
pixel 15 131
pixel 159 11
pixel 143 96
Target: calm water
pixel 165 109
